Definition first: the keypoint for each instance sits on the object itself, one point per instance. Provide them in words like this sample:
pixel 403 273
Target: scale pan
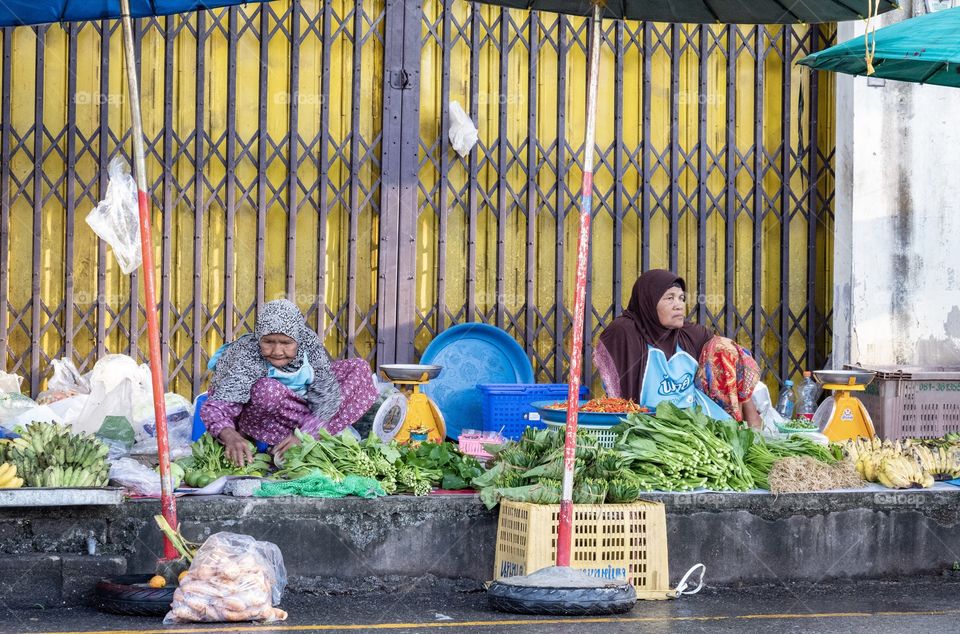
pixel 410 371
pixel 842 377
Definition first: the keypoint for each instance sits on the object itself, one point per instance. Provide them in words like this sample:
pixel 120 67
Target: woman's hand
pixel 237 447
pixel 751 415
pixel 281 448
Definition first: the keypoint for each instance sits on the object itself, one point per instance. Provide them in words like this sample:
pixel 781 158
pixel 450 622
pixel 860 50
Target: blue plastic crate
pixel 505 407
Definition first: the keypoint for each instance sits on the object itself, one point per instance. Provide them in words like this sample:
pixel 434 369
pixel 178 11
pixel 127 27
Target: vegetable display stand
pixel 609 541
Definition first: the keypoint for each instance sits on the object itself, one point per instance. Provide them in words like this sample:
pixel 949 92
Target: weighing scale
pixel 423 421
pixel 843 416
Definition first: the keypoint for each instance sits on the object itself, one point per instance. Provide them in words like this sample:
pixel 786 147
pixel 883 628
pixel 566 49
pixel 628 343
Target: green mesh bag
pixel 317 485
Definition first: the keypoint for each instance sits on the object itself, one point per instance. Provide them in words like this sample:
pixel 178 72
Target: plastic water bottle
pixel 807 394
pixel 787 400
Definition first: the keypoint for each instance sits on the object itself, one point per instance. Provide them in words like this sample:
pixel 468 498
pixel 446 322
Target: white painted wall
pixel 897 264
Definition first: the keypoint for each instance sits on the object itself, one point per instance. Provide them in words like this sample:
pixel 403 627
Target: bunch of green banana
pixel 49 455
pixel 941 462
pixel 903 472
pixel 8 477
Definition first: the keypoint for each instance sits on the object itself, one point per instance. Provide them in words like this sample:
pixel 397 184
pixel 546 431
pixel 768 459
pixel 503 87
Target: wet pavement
pixel 930 603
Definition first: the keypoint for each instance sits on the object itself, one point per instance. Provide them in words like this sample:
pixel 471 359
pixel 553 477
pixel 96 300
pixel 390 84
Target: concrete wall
pixel 338 546
pixel 897 266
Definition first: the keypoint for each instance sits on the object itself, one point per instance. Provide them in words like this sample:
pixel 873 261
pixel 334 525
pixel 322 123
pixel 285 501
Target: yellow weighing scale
pixel 423 421
pixel 844 415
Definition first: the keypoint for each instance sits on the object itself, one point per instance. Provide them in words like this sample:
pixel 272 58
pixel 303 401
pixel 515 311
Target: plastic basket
pixel 611 541
pixel 605 437
pixel 506 406
pixel 912 402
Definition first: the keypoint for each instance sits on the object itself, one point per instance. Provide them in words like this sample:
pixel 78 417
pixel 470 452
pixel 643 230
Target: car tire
pixel 130 595
pixel 561 601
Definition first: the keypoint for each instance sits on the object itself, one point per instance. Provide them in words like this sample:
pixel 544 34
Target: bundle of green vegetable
pixel 683 449
pixel 764 452
pixel 208 461
pixel 455 469
pixel 531 470
pixel 398 468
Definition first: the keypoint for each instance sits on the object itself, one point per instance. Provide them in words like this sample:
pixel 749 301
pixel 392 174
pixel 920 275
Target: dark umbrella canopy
pixel 924 49
pixel 29 12
pixel 711 11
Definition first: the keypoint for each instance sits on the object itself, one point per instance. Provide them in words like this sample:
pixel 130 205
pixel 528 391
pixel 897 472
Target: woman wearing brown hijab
pixel 650 353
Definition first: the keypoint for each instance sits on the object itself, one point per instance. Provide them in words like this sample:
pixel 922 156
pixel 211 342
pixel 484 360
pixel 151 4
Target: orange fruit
pixel 182 575
pixel 157 581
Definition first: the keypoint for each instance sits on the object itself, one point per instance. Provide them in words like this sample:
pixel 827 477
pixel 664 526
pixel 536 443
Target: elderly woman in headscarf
pixel 279 379
pixel 651 354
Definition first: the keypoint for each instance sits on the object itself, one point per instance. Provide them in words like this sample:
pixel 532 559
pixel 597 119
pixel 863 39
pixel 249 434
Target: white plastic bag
pixel 12 405
pixel 232 578
pixel 66 376
pixel 768 413
pixel 179 426
pixel 135 477
pixel 65 383
pixel 116 383
pixel 117 219
pixel 69 410
pixel 463 134
pixel 100 404
pixel 10 382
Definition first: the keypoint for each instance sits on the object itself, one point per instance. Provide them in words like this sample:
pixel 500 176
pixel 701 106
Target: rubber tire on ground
pixel 561 601
pixel 120 595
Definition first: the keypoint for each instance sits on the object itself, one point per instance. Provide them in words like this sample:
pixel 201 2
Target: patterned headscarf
pixel 242 365
pixel 629 336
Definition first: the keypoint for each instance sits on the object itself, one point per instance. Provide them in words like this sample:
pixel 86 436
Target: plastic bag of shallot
pixel 232 578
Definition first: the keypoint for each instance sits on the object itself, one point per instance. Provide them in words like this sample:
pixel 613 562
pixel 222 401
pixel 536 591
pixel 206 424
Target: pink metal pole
pixel 167 501
pixel 565 528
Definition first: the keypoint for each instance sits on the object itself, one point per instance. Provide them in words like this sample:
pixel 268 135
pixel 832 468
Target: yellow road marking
pixel 277 627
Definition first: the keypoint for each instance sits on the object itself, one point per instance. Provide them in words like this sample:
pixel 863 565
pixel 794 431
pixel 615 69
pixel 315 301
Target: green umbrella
pixel 924 49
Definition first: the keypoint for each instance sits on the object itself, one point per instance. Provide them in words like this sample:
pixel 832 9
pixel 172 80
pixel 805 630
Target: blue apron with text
pixel 673 380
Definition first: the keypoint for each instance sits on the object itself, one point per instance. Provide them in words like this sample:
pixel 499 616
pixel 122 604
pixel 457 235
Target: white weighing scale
pixel 423 420
pixel 843 416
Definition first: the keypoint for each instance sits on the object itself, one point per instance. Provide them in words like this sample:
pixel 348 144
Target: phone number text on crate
pixel 938 386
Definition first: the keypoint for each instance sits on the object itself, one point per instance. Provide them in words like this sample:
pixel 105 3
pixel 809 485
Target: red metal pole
pixel 167 501
pixel 565 528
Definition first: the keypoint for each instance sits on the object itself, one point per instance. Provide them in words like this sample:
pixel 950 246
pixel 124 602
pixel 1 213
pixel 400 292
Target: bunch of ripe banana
pixel 8 477
pixel 941 460
pixel 892 464
pixel 49 455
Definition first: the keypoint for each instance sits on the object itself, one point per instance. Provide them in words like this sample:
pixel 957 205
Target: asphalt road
pixel 926 604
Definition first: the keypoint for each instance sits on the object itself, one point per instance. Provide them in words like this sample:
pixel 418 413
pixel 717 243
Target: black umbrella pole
pixel 167 501
pixel 565 528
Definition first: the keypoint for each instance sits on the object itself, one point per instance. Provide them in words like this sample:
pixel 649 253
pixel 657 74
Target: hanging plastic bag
pixel 232 578
pixel 463 134
pixel 117 219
